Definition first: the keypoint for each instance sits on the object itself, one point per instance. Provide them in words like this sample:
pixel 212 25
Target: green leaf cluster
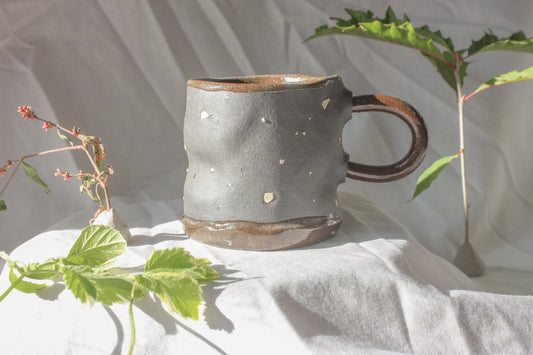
pixel 173 275
pixel 450 63
pixel 439 50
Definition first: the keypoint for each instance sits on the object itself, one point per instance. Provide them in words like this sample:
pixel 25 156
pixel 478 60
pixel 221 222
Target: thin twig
pixel 460 104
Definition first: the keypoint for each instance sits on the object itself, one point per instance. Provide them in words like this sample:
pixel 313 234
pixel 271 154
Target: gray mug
pixel 265 157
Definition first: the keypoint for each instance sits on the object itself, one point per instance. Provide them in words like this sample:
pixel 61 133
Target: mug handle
pixel 419 139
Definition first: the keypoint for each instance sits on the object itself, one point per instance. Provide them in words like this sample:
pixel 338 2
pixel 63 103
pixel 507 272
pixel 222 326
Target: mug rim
pixel 260 83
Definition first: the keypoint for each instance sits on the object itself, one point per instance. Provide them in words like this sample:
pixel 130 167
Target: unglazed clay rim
pixel 261 83
pixel 262 236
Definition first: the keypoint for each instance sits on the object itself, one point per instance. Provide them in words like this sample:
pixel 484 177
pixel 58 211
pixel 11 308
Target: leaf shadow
pixel 120 330
pixel 51 293
pixel 213 316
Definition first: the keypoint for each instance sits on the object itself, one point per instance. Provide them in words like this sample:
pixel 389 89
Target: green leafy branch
pixel 172 275
pixel 450 63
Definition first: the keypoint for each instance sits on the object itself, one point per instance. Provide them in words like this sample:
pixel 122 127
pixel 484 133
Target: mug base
pixel 247 235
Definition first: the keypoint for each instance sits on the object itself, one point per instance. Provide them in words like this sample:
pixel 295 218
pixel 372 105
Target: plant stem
pixel 35 155
pixel 13 285
pixel 460 104
pixel 132 321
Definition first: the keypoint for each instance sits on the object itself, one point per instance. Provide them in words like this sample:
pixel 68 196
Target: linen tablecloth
pixel 370 289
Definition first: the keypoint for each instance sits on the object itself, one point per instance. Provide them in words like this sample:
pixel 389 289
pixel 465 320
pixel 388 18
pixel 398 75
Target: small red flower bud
pixel 65 174
pixel 26 112
pixel 4 168
pixel 47 125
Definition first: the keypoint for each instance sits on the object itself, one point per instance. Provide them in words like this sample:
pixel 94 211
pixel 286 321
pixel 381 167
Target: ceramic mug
pixel 265 157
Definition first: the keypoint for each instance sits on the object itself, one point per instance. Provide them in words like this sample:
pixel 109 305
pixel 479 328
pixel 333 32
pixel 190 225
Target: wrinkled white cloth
pixel 370 289
pixel 118 69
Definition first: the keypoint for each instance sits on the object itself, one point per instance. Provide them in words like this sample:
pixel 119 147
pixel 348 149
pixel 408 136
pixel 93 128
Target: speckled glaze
pixel 265 158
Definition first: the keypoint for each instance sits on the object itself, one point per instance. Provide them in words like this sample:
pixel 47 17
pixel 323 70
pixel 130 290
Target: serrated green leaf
pixel 447 74
pixel 3 206
pixel 506 78
pixel 96 245
pixel 517 42
pixel 174 259
pixel 182 294
pixel 359 16
pixel 436 36
pixel 43 271
pixel 77 281
pixel 180 261
pixel 389 29
pixel 32 174
pixel 62 136
pixel 112 289
pixel 24 286
pixel 432 173
pixel 390 17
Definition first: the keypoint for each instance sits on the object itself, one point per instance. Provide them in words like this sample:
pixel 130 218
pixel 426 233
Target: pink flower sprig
pixel 65 174
pixel 93 184
pixel 26 112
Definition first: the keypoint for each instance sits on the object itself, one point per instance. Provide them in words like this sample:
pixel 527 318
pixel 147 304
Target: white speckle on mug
pixel 304 133
pixel 309 118
pixel 296 133
pixel 310 173
pixel 332 232
pixel 282 161
pixel 212 170
pixel 227 97
pixel 314 200
pixel 204 115
pixel 325 103
pixel 268 197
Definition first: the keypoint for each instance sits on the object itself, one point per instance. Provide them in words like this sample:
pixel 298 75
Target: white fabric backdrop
pixel 117 70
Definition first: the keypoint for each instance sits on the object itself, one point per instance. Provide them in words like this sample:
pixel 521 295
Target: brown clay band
pixel 419 141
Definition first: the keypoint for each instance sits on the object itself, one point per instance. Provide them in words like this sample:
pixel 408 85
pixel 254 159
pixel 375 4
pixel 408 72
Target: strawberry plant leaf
pixel 32 174
pixel 77 281
pixel 178 260
pixel 182 294
pixel 506 78
pixel 174 276
pixel 3 206
pixel 112 289
pixel 432 173
pixel 24 286
pixel 96 245
pixel 175 259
